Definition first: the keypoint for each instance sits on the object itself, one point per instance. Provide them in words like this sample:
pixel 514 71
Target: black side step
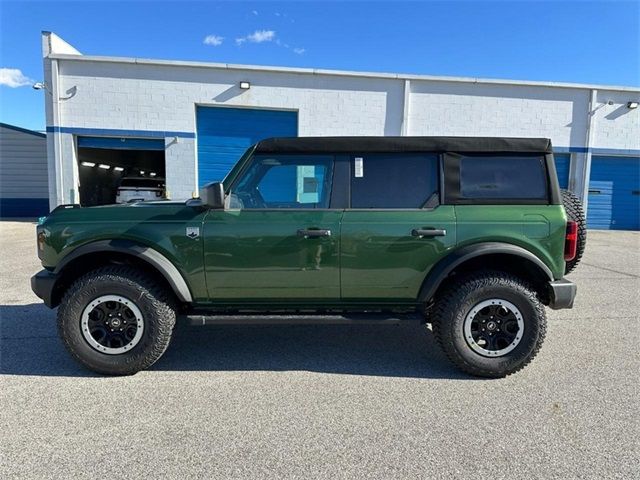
pixel 300 319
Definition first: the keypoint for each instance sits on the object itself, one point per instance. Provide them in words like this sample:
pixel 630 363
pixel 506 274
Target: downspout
pixel 404 128
pixel 55 93
pixel 591 125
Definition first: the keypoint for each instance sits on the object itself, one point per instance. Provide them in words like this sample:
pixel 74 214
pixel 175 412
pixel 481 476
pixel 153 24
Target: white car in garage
pixel 140 189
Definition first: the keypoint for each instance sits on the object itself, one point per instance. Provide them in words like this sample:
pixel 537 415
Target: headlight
pixel 41 241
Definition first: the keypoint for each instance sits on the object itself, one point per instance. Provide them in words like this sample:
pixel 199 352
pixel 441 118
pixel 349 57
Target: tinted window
pixel 504 177
pixel 393 180
pixel 285 181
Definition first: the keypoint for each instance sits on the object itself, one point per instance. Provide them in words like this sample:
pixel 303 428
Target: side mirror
pixel 212 195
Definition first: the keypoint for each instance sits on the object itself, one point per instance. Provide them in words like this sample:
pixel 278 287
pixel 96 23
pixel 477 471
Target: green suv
pixel 470 235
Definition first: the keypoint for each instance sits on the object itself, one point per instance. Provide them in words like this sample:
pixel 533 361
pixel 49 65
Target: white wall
pixel 144 97
pixel 616 126
pixel 447 108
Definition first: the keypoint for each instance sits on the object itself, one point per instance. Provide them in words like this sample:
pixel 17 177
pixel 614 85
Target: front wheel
pixel 490 324
pixel 116 320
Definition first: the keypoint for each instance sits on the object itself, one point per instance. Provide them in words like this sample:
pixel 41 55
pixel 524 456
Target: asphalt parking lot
pixel 327 401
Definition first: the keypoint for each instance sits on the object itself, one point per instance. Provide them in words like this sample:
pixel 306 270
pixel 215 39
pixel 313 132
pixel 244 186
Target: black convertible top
pixel 403 144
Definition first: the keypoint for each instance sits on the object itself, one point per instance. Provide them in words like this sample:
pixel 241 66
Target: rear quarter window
pixel 502 178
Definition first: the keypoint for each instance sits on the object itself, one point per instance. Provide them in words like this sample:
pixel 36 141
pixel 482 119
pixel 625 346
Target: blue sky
pixel 568 41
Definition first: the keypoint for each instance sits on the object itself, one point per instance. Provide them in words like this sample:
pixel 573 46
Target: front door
pixel 279 239
pixel 395 230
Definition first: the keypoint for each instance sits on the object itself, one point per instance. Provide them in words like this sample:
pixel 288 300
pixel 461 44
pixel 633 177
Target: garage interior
pixel 104 162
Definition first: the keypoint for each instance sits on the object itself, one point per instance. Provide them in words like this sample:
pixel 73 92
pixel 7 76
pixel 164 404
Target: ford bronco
pixel 470 235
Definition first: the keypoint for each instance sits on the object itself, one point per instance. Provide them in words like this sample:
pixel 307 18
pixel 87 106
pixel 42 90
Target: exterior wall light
pixel 245 85
pixel 43 86
pixel 40 86
pixel 632 105
pixel 104 167
pixel 88 164
pixel 118 169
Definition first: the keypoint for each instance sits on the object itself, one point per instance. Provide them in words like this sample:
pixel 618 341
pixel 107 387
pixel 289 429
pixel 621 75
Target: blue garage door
pixel 562 167
pixel 225 133
pixel 614 193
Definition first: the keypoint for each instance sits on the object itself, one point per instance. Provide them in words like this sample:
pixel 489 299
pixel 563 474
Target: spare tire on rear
pixel 575 212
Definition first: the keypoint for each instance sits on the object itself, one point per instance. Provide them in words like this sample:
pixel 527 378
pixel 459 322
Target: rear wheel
pixel 575 213
pixel 116 320
pixel 490 324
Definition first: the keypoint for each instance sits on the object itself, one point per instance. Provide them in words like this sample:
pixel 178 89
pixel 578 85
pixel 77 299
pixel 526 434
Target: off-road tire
pixel 458 300
pixel 575 212
pixel 154 302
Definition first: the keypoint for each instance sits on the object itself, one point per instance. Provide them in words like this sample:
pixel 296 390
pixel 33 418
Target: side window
pixel 393 180
pixel 502 177
pixel 285 181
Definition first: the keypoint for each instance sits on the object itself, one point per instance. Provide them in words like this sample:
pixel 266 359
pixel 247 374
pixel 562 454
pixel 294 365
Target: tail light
pixel 571 241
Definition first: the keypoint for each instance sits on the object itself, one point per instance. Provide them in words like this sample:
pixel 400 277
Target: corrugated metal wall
pixel 23 173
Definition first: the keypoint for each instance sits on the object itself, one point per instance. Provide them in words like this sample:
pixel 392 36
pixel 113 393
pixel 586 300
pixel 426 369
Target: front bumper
pixel 43 284
pixel 562 294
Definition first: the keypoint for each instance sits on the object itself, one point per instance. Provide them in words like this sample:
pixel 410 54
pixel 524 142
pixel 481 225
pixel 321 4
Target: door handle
pixel 313 233
pixel 428 232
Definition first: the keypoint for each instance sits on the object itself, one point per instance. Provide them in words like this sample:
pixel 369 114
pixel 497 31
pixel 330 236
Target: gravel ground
pixel 327 401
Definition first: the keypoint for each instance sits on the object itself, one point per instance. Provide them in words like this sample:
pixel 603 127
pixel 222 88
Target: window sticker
pixel 359 168
pixel 308 190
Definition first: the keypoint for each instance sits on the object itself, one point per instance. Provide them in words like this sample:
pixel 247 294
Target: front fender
pixel 142 252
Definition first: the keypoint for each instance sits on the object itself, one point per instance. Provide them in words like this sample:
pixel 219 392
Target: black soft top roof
pixel 403 144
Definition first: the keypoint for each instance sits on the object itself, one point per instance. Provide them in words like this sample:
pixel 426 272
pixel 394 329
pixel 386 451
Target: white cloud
pixel 259 36
pixel 213 40
pixel 13 77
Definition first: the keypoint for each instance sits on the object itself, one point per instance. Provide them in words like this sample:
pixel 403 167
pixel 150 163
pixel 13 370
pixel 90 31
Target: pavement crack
pixel 612 270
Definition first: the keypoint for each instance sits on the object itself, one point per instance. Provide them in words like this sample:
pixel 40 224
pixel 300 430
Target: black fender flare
pixel 142 252
pixel 444 267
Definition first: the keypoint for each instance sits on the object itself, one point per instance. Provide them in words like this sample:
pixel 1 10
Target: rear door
pixel 279 239
pixel 395 229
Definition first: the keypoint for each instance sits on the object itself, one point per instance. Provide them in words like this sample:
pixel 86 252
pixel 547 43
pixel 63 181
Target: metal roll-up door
pixel 223 135
pixel 614 193
pixel 563 161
